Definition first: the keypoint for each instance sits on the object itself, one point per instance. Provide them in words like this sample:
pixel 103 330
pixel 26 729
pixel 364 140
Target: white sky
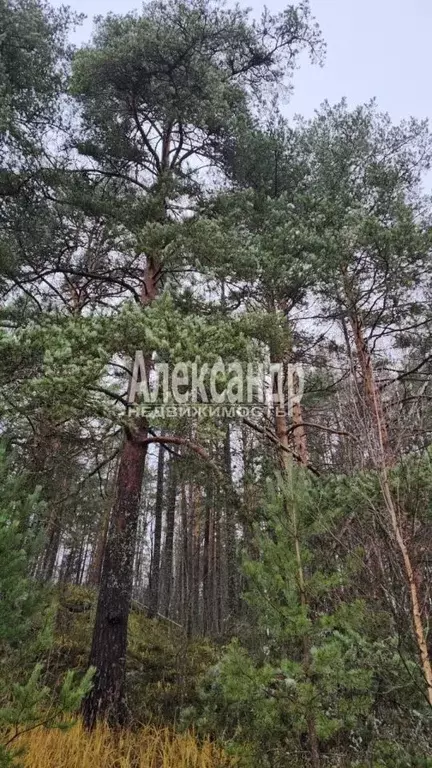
pixel 376 48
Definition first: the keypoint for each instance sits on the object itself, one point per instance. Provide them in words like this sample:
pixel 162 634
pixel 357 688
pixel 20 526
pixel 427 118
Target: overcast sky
pixel 376 48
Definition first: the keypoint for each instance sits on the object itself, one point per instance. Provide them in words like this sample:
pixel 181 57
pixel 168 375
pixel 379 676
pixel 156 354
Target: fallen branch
pixel 141 606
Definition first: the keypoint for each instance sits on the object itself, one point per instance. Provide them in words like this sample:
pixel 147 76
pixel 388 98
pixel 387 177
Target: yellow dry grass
pixel 146 748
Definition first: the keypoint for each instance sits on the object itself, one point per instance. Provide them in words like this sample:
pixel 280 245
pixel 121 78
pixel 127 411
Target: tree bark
pixel 168 550
pixel 155 562
pixel 372 394
pixel 230 534
pixel 282 433
pixel 384 459
pixel 95 569
pixel 106 700
pixel 299 434
pixel 207 561
pixel 53 544
pixel 185 556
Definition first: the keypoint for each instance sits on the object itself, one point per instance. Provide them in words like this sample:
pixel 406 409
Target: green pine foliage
pixel 326 657
pixel 26 621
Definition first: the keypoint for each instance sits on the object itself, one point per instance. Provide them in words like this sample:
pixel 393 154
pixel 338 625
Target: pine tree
pixel 25 620
pixel 189 67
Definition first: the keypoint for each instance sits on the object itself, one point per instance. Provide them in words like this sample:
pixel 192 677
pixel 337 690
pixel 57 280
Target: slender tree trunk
pixel 52 548
pixel 190 559
pixel 79 560
pixel 155 562
pixel 220 586
pixel 282 432
pixel 168 550
pixel 215 604
pixel 207 563
pixel 195 533
pixel 282 429
pixel 95 569
pixel 68 565
pixel 372 394
pixel 98 547
pixel 84 563
pixel 190 554
pixel 230 534
pixel 248 504
pixel 184 558
pixel 412 581
pixel 299 434
pixel 140 580
pixel 385 459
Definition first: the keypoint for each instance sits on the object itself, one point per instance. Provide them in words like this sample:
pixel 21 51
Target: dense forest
pixel 233 573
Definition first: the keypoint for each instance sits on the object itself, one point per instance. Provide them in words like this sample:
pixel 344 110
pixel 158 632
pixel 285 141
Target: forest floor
pixel 164 666
pixel 148 747
pixel 163 672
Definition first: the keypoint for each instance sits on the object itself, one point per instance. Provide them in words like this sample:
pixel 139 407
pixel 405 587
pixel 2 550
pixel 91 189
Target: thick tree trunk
pixel 106 700
pixel 108 652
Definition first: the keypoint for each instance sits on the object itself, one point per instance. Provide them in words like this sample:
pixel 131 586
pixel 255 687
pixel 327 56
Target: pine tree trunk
pixel 282 432
pixel 247 508
pixel 197 560
pixel 108 651
pixel 184 559
pixel 80 575
pixel 206 563
pixel 230 534
pixel 168 550
pixel 52 548
pixel 95 569
pixel 68 566
pixel 191 560
pixel 412 581
pixel 155 562
pixel 372 394
pixel 79 560
pixel 109 642
pixel 215 571
pixel 299 434
pixel 384 459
